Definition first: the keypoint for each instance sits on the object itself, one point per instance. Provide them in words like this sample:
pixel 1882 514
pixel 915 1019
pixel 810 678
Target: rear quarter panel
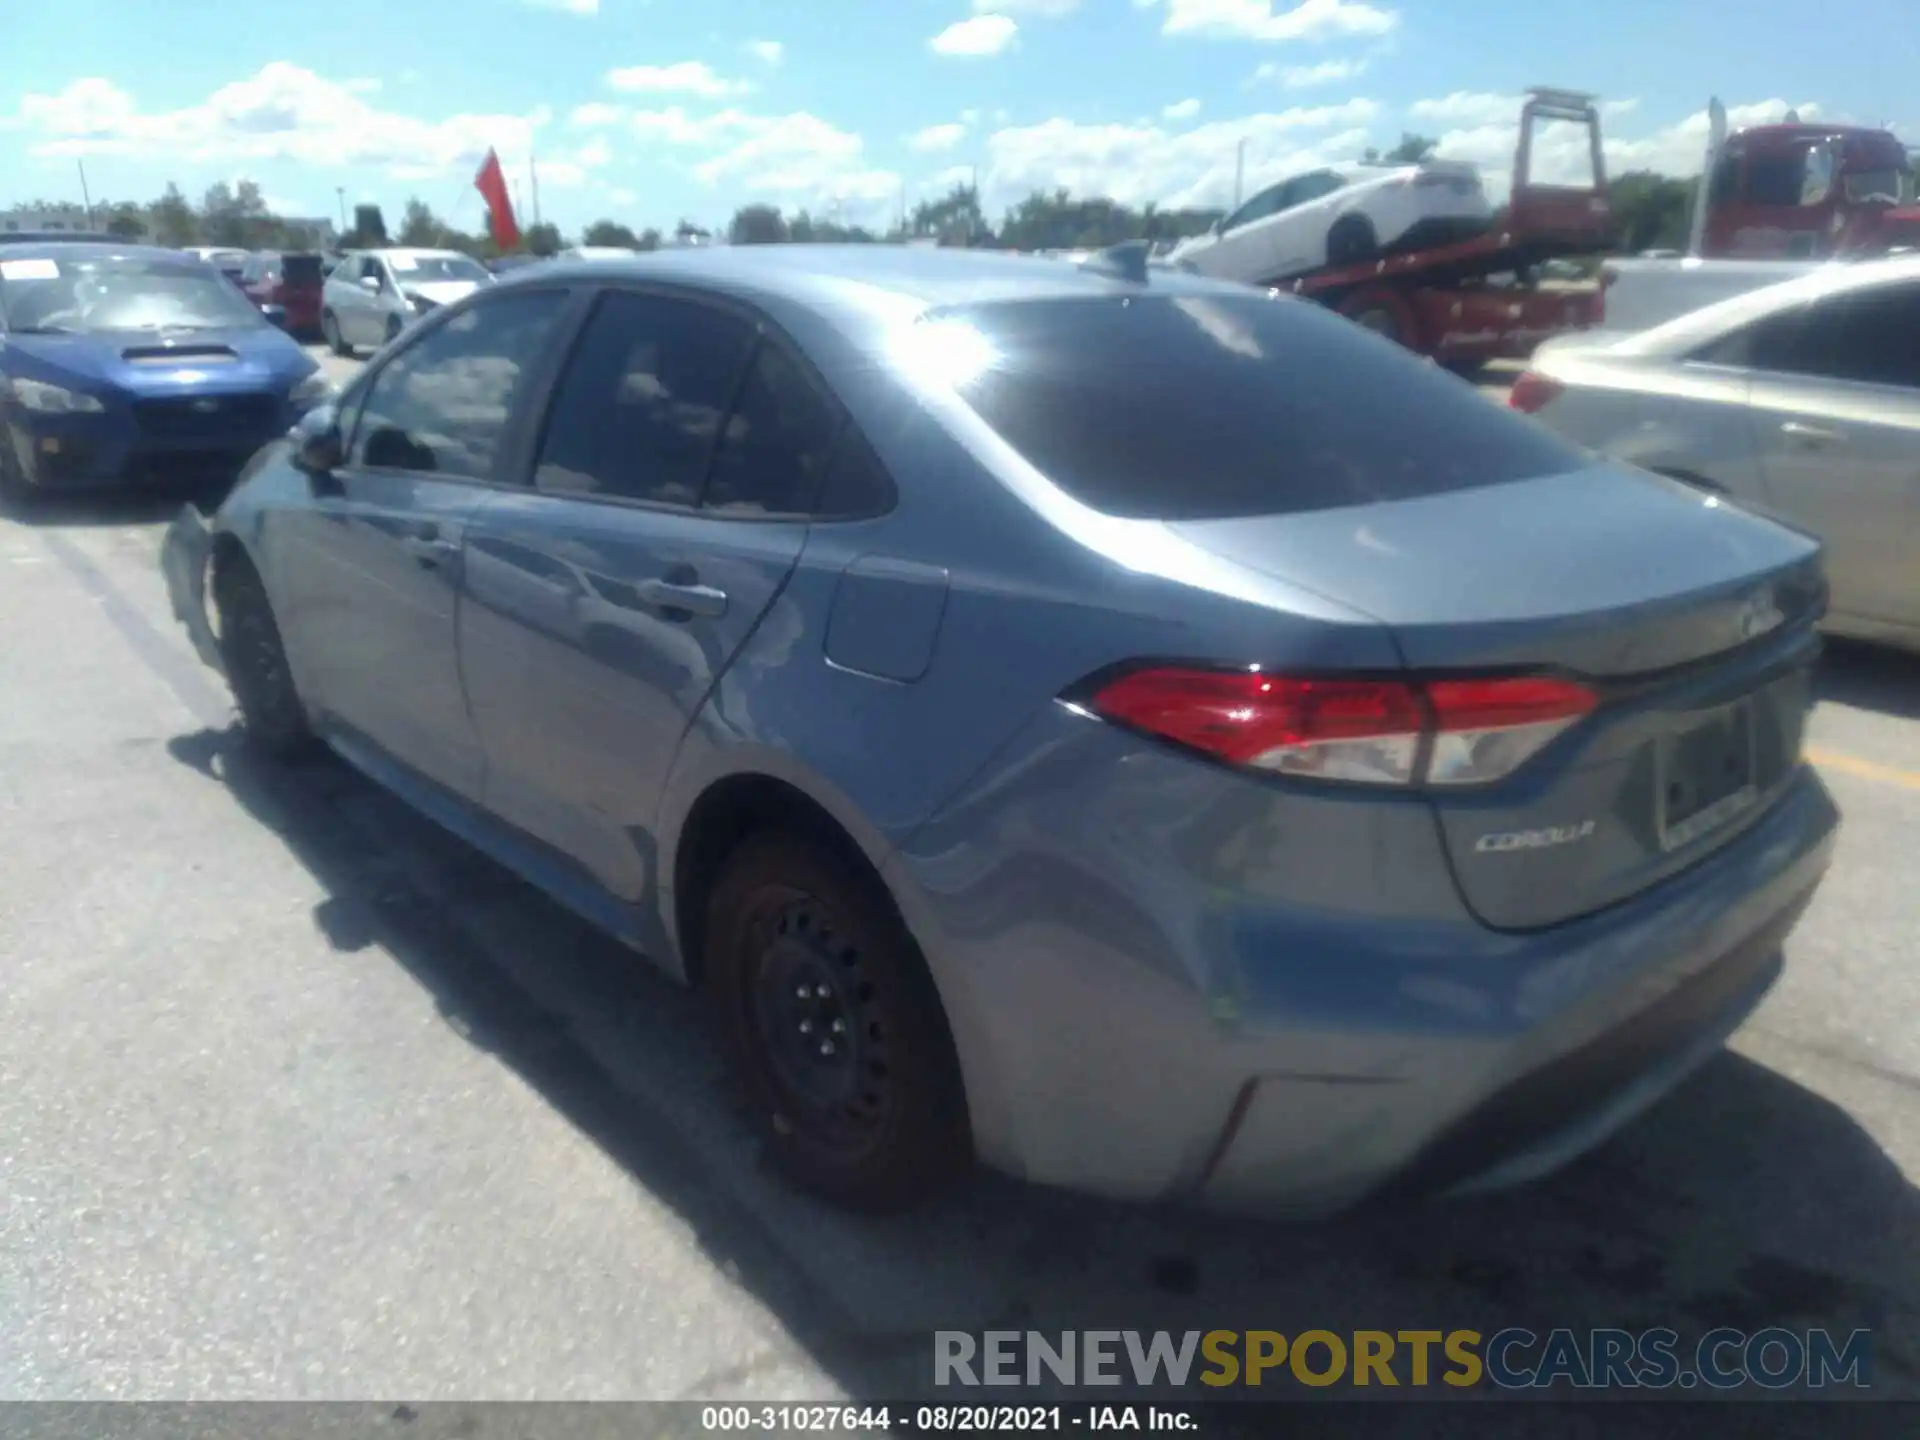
pixel 1689 421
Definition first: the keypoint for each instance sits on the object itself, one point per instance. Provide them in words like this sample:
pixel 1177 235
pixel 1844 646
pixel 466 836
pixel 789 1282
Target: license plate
pixel 1706 776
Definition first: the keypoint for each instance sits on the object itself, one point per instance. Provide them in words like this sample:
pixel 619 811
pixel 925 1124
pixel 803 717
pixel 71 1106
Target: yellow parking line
pixel 1864 769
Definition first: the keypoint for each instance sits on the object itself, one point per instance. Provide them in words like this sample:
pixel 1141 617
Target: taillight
pixel 1531 391
pixel 1375 732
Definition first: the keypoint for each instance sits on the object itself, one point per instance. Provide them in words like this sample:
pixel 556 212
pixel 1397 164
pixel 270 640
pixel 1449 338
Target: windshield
pixel 1887 184
pixel 52 294
pixel 431 269
pixel 1205 407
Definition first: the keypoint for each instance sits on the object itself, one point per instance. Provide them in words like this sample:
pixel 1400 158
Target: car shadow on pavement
pixel 1870 677
pixel 1744 1199
pixel 108 508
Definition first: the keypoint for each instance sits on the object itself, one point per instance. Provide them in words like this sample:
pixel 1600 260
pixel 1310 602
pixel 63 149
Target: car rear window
pixel 1214 406
pixel 301 269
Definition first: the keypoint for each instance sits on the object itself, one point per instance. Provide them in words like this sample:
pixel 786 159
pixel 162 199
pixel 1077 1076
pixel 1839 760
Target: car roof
pixel 99 249
pixel 877 278
pixel 413 251
pixel 1703 326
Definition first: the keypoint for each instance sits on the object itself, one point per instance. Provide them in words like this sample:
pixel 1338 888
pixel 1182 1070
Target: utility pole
pixel 341 192
pixel 533 181
pixel 86 199
pixel 1239 172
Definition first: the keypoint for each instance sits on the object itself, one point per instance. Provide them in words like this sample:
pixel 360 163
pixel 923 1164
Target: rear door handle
pixel 431 554
pixel 1810 434
pixel 688 599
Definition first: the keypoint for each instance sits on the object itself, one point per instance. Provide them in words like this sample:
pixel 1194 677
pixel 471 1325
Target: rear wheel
pixel 330 332
pixel 271 711
pixel 1351 241
pixel 834 1025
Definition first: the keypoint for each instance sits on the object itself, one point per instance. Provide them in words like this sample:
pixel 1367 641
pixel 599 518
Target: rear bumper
pixel 1154 1043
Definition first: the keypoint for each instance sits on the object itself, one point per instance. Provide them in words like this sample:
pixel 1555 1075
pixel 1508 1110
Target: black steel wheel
pixel 1351 241
pixel 271 711
pixel 835 1027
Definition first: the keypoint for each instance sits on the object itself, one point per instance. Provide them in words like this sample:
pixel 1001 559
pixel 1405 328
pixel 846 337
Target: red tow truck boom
pixel 1480 299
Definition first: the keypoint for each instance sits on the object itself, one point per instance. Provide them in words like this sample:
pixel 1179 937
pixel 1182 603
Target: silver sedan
pixel 1801 400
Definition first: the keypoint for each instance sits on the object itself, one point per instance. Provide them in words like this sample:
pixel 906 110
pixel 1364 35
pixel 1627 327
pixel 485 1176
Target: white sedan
pixel 1326 218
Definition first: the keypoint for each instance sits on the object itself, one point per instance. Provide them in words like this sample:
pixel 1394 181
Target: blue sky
pixel 649 110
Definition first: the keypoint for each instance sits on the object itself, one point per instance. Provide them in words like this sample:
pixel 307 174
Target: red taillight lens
pixel 1531 391
pixel 1365 731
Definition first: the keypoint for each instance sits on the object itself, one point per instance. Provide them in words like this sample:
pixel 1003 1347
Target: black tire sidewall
pixel 271 711
pixel 330 332
pixel 1351 242
pixel 924 1142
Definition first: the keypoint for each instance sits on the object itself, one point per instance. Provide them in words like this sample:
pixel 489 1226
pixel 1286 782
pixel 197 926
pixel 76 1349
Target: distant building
pixel 52 217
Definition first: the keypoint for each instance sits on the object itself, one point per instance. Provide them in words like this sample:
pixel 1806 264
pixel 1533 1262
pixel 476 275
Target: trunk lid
pixel 1693 622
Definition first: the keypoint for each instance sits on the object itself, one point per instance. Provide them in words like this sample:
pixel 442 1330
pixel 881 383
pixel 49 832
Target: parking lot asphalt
pixel 301 1099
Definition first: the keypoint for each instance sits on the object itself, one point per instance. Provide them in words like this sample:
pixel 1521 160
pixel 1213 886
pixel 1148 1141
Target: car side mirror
pixel 317 444
pixel 370 282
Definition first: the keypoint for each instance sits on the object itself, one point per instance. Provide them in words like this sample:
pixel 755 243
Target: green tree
pixel 649 240
pixel 608 232
pixel 1411 150
pixel 954 219
pixel 757 225
pixel 126 221
pixel 686 232
pixel 542 240
pixel 421 227
pixel 171 220
pixel 1653 212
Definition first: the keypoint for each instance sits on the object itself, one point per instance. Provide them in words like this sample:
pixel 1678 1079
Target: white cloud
pixel 687 77
pixel 1138 163
pixel 1303 77
pixel 938 137
pixel 800 157
pixel 1182 110
pixel 767 52
pixel 284 112
pixel 1045 9
pixel 1464 107
pixel 572 7
pixel 1258 20
pixel 596 115
pixel 982 35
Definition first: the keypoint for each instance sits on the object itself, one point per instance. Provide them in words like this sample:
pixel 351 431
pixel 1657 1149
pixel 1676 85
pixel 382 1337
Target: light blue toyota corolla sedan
pixel 1144 734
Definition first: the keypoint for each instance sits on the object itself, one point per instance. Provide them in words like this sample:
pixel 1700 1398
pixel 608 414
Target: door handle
pixel 1810 434
pixel 430 553
pixel 688 599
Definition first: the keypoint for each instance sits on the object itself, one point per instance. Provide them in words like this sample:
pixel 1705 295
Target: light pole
pixel 341 192
pixel 1239 172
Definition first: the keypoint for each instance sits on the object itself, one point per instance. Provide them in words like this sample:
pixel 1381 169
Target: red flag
pixel 491 182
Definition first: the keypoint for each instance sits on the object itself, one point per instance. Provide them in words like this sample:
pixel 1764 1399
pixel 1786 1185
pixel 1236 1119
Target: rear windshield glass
pixel 1207 407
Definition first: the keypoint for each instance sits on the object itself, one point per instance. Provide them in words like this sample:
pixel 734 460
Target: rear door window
pixel 1869 337
pixel 638 409
pixel 778 442
pixel 1211 406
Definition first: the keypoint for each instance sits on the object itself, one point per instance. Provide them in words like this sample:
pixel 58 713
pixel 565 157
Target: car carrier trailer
pixel 1484 298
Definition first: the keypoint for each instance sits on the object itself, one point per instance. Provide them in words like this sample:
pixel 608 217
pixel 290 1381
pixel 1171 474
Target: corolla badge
pixel 1544 839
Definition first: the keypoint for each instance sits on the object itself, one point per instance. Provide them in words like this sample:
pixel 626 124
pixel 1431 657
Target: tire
pixel 15 492
pixel 879 1123
pixel 1352 241
pixel 271 711
pixel 330 332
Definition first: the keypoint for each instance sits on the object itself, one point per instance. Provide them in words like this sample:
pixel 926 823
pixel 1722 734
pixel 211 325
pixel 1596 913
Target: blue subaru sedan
pixel 123 365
